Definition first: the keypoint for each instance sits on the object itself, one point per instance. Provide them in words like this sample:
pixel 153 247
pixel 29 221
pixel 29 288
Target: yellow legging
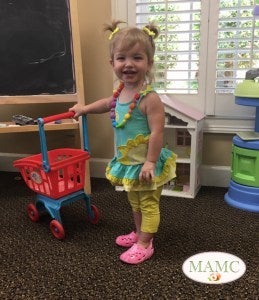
pixel 147 203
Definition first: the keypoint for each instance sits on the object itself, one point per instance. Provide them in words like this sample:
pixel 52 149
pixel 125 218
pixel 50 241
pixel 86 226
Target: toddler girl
pixel 141 165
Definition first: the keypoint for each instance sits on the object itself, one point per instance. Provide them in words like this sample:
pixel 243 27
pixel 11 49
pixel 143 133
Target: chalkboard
pixel 36 54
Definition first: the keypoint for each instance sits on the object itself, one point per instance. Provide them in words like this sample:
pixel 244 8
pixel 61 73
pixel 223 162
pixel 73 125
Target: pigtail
pixel 113 28
pixel 151 30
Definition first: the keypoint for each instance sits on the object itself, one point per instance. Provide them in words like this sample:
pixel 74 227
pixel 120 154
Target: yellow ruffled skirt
pixel 121 173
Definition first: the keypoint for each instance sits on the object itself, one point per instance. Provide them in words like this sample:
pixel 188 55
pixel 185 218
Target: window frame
pixel 185 136
pixel 206 100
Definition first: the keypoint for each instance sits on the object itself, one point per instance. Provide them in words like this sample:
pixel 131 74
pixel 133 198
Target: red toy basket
pixel 66 175
pixel 55 173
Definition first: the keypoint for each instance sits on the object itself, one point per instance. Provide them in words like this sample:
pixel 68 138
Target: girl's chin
pixel 130 80
pixel 131 83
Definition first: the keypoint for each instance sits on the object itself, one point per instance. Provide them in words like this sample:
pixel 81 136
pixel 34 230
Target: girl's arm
pixel 97 107
pixel 154 109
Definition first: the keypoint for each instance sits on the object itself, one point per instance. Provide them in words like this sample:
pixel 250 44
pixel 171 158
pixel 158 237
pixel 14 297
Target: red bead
pixel 132 105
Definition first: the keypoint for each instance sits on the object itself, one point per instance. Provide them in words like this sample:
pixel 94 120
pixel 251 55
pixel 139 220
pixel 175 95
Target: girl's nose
pixel 128 62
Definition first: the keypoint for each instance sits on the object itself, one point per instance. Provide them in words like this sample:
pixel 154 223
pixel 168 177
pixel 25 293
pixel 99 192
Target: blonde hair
pixel 127 37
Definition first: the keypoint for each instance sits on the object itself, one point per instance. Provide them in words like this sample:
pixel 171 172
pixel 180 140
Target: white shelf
pixel 183 160
pixel 167 192
pixel 179 126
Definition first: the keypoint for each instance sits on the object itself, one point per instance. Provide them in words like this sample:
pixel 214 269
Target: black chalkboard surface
pixel 35 48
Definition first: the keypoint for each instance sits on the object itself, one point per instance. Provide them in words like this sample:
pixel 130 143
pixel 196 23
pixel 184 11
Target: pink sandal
pixel 137 254
pixel 127 240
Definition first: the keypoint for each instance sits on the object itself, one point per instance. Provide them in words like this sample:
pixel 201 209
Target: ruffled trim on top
pixel 135 150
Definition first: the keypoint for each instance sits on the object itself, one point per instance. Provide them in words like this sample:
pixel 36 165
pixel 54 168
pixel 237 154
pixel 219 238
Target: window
pixel 204 50
pixel 183 174
pixel 183 138
pixel 238 44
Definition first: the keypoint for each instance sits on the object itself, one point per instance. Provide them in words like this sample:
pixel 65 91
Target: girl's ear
pixel 111 62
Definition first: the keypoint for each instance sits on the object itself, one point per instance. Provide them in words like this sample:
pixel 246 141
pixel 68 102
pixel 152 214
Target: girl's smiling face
pixel 131 65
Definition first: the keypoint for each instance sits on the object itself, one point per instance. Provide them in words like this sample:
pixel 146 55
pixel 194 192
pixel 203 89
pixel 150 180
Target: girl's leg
pixel 146 215
pixel 145 238
pixel 149 219
pixel 150 213
pixel 127 240
pixel 133 198
pixel 137 221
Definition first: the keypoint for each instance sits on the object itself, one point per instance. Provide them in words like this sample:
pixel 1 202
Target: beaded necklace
pixel 132 105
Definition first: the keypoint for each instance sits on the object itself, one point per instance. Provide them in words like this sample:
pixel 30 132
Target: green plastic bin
pixel 245 166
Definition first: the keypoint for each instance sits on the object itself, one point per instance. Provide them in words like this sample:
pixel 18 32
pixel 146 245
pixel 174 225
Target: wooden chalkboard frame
pixel 78 95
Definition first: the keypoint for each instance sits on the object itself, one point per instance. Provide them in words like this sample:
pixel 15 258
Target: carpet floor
pixel 85 265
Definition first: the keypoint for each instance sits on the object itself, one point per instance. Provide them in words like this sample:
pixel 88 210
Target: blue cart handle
pixel 43 144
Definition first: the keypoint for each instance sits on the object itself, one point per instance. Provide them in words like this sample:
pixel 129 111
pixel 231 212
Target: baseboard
pixel 210 175
pixel 7 159
pixel 215 175
pixel 98 166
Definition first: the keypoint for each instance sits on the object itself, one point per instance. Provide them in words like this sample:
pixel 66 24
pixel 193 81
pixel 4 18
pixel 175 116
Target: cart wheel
pixel 33 212
pixel 96 214
pixel 57 229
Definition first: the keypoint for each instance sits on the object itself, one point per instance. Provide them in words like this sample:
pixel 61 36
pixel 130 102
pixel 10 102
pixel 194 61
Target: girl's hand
pixel 78 109
pixel 147 172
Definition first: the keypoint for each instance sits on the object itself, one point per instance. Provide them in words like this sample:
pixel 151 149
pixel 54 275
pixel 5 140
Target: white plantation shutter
pixel 236 41
pixel 238 44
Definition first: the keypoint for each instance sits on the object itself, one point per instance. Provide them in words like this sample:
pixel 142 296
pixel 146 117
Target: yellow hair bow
pixel 114 32
pixel 149 32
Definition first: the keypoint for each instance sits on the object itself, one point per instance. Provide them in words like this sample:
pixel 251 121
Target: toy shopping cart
pixel 58 177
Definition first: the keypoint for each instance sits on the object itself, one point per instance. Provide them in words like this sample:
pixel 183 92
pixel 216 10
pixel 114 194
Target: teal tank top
pixel 131 143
